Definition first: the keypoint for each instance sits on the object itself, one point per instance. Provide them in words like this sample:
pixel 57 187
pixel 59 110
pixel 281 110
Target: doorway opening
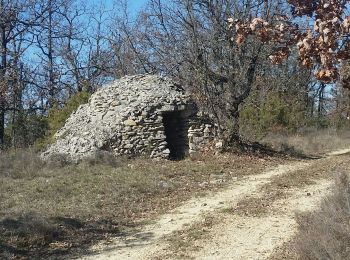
pixel 176 131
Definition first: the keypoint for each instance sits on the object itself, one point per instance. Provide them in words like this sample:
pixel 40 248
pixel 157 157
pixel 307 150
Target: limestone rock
pixel 130 122
pixel 133 116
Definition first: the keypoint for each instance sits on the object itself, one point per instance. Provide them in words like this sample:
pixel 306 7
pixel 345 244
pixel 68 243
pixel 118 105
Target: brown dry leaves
pixel 324 46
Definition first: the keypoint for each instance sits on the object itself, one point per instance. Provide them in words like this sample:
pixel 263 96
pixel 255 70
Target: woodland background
pixel 55 53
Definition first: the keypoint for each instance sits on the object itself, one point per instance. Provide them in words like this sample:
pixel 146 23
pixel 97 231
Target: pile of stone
pixel 127 118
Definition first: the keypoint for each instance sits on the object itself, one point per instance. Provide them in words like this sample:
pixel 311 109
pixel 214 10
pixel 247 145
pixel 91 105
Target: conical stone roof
pixel 124 117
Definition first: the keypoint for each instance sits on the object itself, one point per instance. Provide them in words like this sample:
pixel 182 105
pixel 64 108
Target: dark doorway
pixel 176 130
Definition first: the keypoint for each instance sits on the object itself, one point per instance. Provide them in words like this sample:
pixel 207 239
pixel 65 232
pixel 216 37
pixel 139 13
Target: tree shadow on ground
pixel 34 237
pixel 259 149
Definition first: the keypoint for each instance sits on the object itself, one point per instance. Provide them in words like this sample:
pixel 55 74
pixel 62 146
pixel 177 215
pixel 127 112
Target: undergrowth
pixel 309 142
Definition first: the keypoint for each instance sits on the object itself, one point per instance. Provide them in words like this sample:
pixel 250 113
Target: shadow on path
pixel 34 237
pixel 258 149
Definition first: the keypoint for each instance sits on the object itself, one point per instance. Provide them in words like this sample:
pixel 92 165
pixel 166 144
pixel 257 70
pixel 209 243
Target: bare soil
pixel 60 211
pixel 249 219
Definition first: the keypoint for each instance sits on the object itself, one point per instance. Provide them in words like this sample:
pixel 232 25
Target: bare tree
pixel 72 46
pixel 17 18
pixel 46 40
pixel 190 40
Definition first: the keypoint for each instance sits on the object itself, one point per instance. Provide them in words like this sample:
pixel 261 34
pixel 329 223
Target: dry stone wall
pixel 202 132
pixel 135 115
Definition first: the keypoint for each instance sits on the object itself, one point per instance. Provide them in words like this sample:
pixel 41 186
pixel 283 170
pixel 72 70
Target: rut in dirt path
pixel 256 237
pixel 150 242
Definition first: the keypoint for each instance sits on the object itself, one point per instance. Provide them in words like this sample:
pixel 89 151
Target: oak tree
pixel 322 45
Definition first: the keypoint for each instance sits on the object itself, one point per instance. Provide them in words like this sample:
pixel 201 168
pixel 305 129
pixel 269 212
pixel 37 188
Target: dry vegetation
pixel 182 241
pixel 52 210
pixel 324 234
pixel 317 231
pixel 56 209
pixel 313 142
pixel 280 187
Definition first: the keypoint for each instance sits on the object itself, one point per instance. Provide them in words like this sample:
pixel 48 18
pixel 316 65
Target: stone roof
pixel 126 102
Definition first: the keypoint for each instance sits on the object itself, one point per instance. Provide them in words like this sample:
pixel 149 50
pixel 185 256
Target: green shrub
pixel 57 117
pixel 276 112
pixel 25 130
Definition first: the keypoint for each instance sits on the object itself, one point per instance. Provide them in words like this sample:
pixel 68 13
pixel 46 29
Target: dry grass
pixel 20 164
pixel 326 233
pixel 280 186
pixel 256 206
pixel 313 142
pixel 263 205
pixel 54 210
pixel 183 241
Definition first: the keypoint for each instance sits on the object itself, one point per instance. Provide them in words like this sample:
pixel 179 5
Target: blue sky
pixel 134 5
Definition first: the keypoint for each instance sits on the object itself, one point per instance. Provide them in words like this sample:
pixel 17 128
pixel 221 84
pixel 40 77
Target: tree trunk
pixel 51 82
pixel 3 85
pixel 321 101
pixel 2 125
pixel 234 136
pixel 17 122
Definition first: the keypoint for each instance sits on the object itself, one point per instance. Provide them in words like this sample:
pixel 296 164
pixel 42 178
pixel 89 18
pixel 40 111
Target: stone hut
pixel 136 115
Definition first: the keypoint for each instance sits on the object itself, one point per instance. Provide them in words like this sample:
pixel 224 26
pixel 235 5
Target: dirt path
pixel 235 235
pixel 256 237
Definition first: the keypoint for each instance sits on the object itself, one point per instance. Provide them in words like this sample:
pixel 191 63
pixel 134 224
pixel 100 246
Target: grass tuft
pixel 20 164
pixel 326 234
